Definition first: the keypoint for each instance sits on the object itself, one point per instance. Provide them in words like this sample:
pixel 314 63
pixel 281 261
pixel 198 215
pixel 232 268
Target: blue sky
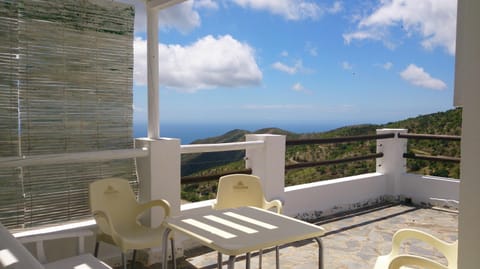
pixel 280 62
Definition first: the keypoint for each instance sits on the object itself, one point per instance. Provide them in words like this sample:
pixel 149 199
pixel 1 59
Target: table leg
pixel 166 233
pixel 231 262
pixel 260 253
pixel 320 252
pixel 219 260
pixel 247 260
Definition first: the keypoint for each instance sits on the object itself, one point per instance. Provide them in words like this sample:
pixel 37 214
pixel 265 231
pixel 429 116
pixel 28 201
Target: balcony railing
pixel 244 145
pixel 158 167
pixel 454 138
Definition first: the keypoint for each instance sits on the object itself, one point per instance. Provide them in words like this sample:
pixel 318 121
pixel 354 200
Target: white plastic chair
pixel 405 261
pixel 13 255
pixel 395 259
pixel 239 190
pixel 117 214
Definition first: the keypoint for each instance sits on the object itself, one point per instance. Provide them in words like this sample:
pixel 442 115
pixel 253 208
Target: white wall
pixel 430 190
pixel 311 200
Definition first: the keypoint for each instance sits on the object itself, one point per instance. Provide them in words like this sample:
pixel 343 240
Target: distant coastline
pixel 188 133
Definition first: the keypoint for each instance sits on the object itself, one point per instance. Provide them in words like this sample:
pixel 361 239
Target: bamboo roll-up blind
pixel 11 195
pixel 75 77
pixel 8 79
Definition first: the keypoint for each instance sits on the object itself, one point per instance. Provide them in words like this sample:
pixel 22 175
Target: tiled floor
pixel 352 241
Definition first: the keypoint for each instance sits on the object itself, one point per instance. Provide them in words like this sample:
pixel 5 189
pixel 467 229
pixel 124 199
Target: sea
pixel 189 132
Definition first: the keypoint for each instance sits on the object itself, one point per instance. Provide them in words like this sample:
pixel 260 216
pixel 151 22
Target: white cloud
pixel 387 65
pixel 289 9
pixel 207 4
pixel 206 64
pixel 336 7
pixel 298 87
pixel 311 49
pixel 137 108
pixel 346 65
pixel 433 20
pixel 284 53
pixel 360 35
pixel 284 68
pixel 182 17
pixel 288 69
pixel 418 77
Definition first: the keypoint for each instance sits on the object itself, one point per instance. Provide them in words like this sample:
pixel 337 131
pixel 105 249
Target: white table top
pixel 241 230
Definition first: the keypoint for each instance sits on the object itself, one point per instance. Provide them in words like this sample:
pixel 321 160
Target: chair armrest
pixel 401 235
pixel 274 203
pixel 102 219
pixel 148 205
pixel 411 260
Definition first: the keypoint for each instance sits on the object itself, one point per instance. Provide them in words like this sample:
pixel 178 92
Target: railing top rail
pixel 335 161
pixel 430 136
pixel 62 158
pixel 211 177
pixel 201 148
pixel 339 139
pixel 432 158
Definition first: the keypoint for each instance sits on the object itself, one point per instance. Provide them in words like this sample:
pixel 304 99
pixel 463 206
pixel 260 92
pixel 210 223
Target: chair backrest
pixel 115 197
pixel 238 190
pixel 449 250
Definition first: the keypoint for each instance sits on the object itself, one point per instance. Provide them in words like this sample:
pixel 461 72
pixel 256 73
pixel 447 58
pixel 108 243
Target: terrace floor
pixel 353 240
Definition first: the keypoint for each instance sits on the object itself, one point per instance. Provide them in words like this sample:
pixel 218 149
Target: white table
pixel 242 230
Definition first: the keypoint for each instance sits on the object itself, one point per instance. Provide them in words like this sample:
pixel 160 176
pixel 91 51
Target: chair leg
pixel 174 259
pixel 95 253
pixel 124 261
pixel 133 259
pixel 277 256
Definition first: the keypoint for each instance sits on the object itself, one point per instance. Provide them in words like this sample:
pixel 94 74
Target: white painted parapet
pixel 431 190
pixel 317 199
pixel 268 163
pixel 392 164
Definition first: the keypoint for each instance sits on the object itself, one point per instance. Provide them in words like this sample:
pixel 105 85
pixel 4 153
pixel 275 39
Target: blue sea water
pixel 189 132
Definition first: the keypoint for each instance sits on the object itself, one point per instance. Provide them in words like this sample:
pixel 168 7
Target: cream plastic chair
pixel 13 255
pixel 239 190
pixel 395 259
pixel 404 261
pixel 117 214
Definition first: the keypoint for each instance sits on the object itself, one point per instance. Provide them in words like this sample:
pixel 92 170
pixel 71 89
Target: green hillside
pixel 442 123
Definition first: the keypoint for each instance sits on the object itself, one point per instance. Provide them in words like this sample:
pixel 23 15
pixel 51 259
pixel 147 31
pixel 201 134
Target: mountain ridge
pixel 440 123
pixel 444 123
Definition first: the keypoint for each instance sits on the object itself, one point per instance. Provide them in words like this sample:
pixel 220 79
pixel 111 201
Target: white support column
pixel 268 162
pixel 467 94
pixel 392 164
pixel 153 74
pixel 159 173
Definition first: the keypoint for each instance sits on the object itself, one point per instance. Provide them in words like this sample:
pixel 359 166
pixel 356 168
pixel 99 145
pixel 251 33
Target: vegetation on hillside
pixel 441 123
